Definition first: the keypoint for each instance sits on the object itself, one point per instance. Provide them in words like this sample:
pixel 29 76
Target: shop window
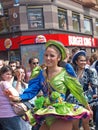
pixel 4 22
pixel 6 13
pixel 4 25
pixel 1 10
pixel 76 22
pixel 35 18
pixel 88 25
pixel 62 19
pixel 96 27
pixel 14 55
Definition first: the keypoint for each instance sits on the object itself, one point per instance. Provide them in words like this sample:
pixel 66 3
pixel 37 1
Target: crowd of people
pixel 63 92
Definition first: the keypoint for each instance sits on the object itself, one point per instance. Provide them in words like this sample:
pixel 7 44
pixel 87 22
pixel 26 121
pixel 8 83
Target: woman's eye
pixel 46 55
pixel 51 55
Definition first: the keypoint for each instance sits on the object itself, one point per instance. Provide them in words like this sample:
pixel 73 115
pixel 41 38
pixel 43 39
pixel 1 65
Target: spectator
pixel 20 79
pixel 6 62
pixel 12 64
pixel 1 63
pixel 18 63
pixel 20 85
pixel 88 79
pixel 94 64
pixel 94 57
pixel 8 118
pixel 33 62
pixel 74 50
pixel 69 68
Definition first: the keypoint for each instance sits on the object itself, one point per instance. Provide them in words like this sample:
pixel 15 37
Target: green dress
pixel 52 104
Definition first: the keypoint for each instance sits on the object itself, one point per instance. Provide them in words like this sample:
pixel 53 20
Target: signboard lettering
pixel 80 41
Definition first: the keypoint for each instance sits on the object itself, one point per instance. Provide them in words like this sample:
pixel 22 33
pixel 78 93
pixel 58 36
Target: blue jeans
pixel 12 123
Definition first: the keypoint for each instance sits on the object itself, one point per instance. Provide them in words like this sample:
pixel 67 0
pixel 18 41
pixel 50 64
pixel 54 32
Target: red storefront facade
pixel 10 45
pixel 67 39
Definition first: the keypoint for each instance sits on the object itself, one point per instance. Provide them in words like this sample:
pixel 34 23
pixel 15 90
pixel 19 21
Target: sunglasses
pixel 12 65
pixel 34 63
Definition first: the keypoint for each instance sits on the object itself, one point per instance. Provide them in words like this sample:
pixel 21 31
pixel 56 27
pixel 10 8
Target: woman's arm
pixel 34 87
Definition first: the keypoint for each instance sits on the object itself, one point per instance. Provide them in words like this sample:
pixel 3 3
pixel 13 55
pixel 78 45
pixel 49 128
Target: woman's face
pixel 81 62
pixel 35 62
pixel 7 76
pixel 20 72
pixel 51 57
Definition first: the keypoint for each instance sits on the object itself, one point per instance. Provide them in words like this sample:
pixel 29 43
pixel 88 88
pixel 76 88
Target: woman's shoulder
pixel 35 72
pixel 4 83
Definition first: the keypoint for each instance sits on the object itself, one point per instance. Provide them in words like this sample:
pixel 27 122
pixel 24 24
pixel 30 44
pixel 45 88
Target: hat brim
pixel 77 54
pixel 60 47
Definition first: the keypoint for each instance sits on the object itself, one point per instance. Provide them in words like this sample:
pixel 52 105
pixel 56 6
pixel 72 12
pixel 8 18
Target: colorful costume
pixel 88 80
pixel 53 102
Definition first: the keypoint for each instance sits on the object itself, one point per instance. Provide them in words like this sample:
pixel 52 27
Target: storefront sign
pixel 7 43
pixel 40 39
pixel 66 39
pixel 80 41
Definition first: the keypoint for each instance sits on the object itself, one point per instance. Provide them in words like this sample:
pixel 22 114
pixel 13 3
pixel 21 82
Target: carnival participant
pixel 54 81
pixel 88 79
pixel 8 118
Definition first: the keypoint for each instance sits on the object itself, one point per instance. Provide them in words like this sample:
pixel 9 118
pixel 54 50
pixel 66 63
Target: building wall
pixel 50 14
pixel 23 18
pixel 19 25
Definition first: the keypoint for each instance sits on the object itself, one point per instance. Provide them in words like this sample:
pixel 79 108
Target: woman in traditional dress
pixel 51 109
pixel 87 77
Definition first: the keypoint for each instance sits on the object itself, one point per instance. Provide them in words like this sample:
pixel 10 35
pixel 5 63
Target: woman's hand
pixel 90 110
pixel 14 98
pixel 91 113
pixel 18 75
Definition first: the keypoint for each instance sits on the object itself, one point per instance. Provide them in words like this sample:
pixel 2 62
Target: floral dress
pixel 89 82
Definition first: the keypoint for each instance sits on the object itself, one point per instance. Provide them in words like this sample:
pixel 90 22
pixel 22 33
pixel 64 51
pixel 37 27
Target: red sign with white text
pixel 66 39
pixel 81 41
